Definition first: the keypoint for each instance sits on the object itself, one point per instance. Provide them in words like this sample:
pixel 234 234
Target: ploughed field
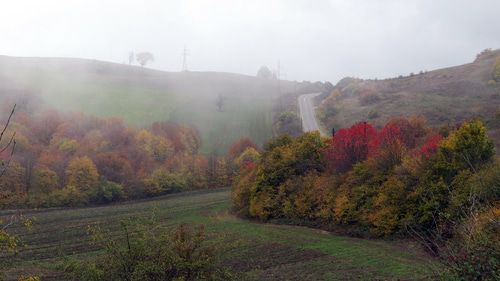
pixel 256 250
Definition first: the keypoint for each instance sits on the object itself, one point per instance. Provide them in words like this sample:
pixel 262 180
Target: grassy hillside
pixel 141 96
pixel 258 251
pixel 443 96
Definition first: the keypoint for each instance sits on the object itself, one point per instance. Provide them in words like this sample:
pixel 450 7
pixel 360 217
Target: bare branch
pixel 8 121
pixel 9 143
pixel 5 166
pixel 12 142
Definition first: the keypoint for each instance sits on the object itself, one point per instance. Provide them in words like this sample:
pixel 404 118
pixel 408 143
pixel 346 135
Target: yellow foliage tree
pixel 249 156
pixel 157 147
pixel 389 207
pixel 13 180
pixel 45 180
pixel 82 174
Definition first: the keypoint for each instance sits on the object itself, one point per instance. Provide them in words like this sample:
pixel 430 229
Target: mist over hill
pixel 141 96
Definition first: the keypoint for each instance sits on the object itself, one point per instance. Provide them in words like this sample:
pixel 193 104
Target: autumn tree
pixel 45 180
pixel 45 126
pixel 467 148
pixel 283 158
pixel 395 139
pixel 13 180
pixel 240 146
pixel 248 159
pixel 431 145
pixel 114 166
pixel 352 145
pixel 157 147
pixel 162 181
pixel 82 174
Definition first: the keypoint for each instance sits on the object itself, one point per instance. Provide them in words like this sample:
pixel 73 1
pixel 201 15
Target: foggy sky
pixel 313 39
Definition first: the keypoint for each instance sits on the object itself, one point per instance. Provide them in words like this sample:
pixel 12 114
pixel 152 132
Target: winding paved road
pixel 307 112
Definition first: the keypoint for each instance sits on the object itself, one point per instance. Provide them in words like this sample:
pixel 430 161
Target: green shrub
pixel 107 192
pixel 148 252
pixel 162 181
pixel 288 123
pixel 69 196
pixel 467 148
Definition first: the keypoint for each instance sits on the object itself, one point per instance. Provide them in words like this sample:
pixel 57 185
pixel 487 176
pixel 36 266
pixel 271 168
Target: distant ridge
pixel 443 96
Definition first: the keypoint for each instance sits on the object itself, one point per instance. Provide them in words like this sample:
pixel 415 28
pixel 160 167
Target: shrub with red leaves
pixel 238 147
pixel 352 145
pixel 430 146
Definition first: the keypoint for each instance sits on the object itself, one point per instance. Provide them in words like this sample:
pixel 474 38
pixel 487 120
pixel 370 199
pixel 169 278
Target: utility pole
pixel 184 60
pixel 278 76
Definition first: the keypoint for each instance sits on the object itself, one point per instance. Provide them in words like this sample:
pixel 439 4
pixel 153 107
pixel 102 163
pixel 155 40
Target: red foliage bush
pixel 430 146
pixel 386 147
pixel 238 147
pixel 352 145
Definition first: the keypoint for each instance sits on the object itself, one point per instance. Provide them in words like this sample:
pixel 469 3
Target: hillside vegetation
pixel 444 96
pixel 142 96
pixel 404 180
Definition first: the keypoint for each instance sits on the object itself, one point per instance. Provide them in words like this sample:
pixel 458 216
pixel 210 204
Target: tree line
pixel 71 159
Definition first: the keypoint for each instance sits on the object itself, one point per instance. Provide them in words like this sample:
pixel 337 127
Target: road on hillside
pixel 308 113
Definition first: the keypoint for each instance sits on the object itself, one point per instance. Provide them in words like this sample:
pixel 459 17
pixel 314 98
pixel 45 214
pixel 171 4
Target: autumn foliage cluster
pixel 403 179
pixel 72 159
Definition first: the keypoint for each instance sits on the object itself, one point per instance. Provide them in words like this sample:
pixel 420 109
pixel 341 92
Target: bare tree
pixel 264 72
pixel 144 57
pixel 219 102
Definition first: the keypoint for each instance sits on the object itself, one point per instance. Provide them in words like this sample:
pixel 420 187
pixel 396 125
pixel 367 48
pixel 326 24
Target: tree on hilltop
pixel 144 58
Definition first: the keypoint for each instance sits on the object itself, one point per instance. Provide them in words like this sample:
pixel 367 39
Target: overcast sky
pixel 313 39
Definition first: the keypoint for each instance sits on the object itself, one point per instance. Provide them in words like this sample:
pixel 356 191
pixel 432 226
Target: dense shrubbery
pixel 288 122
pixel 404 179
pixel 144 251
pixel 74 160
pixel 259 191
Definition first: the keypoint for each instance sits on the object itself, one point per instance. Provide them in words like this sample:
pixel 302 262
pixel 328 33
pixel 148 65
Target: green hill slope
pixel 141 96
